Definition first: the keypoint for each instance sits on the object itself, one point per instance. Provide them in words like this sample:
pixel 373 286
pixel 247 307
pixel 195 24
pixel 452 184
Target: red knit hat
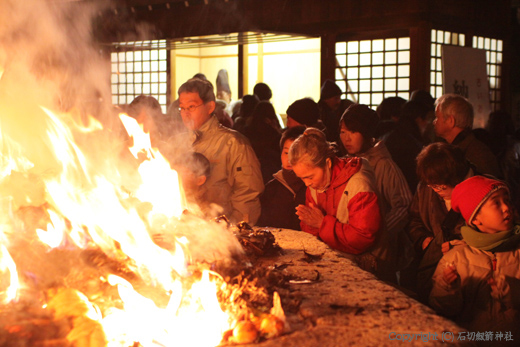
pixel 469 195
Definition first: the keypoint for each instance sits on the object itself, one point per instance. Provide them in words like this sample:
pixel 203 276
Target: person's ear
pixel 329 162
pixel 451 121
pixel 211 106
pixel 476 221
pixel 201 180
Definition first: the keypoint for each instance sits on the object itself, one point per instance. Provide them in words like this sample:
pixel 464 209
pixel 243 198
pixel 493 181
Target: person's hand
pixel 446 246
pixel 426 242
pixel 450 273
pixel 310 215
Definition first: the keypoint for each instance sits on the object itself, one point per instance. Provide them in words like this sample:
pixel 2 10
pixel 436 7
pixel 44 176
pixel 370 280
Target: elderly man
pixel 235 182
pixel 453 122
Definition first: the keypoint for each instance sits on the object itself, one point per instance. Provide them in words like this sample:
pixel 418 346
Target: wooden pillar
pixel 328 57
pixel 171 92
pixel 420 46
pixel 243 66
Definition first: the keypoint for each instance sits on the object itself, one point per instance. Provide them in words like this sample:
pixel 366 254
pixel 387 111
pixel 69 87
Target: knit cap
pixel 305 111
pixel 362 119
pixel 329 89
pixel 469 195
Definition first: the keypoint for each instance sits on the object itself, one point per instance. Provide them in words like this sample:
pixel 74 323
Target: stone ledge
pixel 347 306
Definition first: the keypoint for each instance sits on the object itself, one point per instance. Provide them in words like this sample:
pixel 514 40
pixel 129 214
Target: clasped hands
pixel 310 215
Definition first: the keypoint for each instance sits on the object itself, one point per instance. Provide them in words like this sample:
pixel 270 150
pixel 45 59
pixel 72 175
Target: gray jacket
pixel 235 182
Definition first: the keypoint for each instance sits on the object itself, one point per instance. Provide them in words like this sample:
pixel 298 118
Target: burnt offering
pixel 256 241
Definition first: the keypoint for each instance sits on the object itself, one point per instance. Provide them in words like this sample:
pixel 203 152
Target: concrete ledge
pixel 348 306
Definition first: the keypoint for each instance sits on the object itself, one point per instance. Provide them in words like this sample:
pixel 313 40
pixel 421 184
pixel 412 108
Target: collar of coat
pixel 461 137
pixel 343 169
pixel 204 128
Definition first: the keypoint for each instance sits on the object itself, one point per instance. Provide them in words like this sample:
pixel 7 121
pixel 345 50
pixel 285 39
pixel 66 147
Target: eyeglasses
pixel 438 187
pixel 189 109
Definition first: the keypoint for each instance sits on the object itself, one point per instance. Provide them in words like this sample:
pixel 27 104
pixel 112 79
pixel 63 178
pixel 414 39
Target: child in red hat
pixel 478 284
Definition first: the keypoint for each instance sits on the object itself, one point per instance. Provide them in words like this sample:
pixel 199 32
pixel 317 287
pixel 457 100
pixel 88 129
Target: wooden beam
pixel 328 57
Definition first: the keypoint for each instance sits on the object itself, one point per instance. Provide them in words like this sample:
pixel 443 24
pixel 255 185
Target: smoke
pixel 49 46
pixel 49 61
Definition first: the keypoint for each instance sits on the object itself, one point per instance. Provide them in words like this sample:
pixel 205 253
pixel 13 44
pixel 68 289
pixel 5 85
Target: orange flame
pixel 7 263
pixel 89 207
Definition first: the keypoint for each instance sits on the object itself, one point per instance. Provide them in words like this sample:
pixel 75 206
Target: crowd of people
pixel 410 191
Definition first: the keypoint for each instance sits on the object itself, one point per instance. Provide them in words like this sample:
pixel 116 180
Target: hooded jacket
pixel 235 182
pixel 350 206
pixel 279 202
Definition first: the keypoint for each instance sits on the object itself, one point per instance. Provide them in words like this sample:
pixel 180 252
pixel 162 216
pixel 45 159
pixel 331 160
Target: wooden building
pixel 398 42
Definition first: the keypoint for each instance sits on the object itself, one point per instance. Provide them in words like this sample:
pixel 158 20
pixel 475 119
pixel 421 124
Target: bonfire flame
pixel 77 210
pixel 86 209
pixel 7 264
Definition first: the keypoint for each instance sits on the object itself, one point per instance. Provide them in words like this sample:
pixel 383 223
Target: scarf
pixel 498 242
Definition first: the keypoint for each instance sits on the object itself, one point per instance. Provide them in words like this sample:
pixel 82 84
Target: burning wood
pixel 76 305
pixel 257 241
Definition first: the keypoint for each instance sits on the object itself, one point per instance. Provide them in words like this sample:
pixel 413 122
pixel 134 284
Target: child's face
pixel 190 181
pixel 353 141
pixel 285 154
pixel 496 213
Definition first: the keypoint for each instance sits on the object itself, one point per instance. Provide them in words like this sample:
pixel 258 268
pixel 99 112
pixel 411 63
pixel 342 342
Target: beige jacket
pixel 471 300
pixel 235 182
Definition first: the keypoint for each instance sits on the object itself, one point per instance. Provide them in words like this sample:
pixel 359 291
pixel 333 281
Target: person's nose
pixel 505 207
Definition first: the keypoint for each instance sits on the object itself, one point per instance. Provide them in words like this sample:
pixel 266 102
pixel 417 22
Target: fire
pixel 55 233
pixel 7 264
pixel 160 183
pixel 82 214
pixel 177 324
pixel 89 209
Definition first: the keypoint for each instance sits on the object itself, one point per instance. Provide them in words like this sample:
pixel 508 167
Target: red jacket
pixel 352 216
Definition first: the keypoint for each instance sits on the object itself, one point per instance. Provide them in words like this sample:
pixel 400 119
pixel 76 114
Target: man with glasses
pixel 433 224
pixel 235 182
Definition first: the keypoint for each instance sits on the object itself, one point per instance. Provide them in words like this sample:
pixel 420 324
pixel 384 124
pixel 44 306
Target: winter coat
pixel 395 199
pixel 478 153
pixel 235 182
pixel 391 184
pixel 430 218
pixel 350 206
pixel 279 202
pixel 471 301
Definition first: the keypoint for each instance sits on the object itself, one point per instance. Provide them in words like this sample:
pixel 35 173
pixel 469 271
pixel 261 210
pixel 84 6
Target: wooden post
pixel 420 45
pixel 328 57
